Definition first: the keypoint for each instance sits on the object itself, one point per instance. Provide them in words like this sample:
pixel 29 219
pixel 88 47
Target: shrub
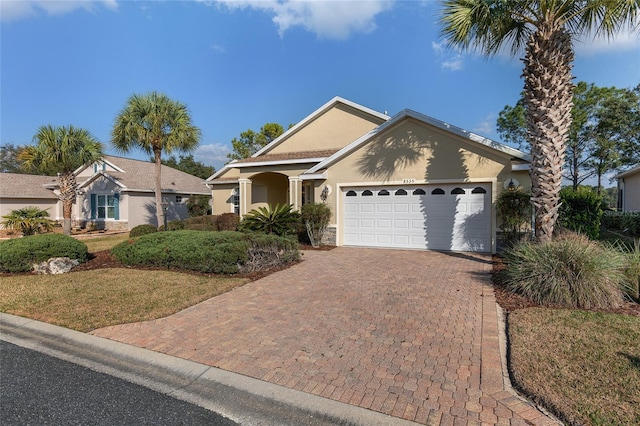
pixel 28 220
pixel 211 252
pixel 316 217
pixel 174 225
pixel 631 269
pixel 201 223
pixel 280 220
pixel 19 255
pixel 570 271
pixel 140 230
pixel 267 251
pixel 198 205
pixel 228 222
pixel 580 211
pixel 514 209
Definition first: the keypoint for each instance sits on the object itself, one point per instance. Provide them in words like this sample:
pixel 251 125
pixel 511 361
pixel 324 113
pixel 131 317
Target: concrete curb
pixel 242 399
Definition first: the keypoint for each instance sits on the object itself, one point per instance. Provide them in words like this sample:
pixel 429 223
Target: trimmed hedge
pixel 580 211
pixel 19 254
pixel 222 252
pixel 627 222
pixel 140 230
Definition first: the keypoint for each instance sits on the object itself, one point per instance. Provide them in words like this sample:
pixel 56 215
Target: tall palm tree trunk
pixel 68 184
pixel 158 178
pixel 548 97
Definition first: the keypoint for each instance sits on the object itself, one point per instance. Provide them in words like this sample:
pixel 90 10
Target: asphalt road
pixel 37 389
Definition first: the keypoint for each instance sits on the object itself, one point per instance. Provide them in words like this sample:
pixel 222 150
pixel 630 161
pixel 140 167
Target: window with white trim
pixel 235 197
pixel 104 206
pixel 307 193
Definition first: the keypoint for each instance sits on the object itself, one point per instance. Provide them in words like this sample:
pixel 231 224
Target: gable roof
pixel 407 113
pixel 17 185
pixel 287 134
pixel 139 176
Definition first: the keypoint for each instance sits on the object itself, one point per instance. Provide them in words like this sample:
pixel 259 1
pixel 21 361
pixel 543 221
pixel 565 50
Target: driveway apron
pixel 412 334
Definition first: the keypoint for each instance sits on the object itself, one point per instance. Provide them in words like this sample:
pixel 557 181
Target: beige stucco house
pixel 114 193
pixel 407 181
pixel 629 190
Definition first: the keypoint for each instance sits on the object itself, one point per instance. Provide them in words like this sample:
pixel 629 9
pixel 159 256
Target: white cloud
pixel 487 126
pixel 623 41
pixel 214 154
pixel 449 59
pixel 218 48
pixel 325 18
pixel 12 10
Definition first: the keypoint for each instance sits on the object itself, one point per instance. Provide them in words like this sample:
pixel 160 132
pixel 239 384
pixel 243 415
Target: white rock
pixel 55 265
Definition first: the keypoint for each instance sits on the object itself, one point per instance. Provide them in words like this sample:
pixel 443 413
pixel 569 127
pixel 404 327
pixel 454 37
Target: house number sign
pixel 408 181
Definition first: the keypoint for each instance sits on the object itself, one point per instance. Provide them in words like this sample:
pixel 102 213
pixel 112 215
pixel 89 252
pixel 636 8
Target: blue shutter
pixel 116 206
pixel 95 167
pixel 93 206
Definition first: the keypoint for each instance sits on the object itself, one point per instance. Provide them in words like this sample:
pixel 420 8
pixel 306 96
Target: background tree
pixel 61 150
pixel 189 165
pixel 251 142
pixel 603 134
pixel 9 162
pixel 545 29
pixel 155 123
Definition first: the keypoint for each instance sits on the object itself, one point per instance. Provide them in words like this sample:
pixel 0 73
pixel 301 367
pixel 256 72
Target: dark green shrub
pixel 211 252
pixel 228 222
pixel 19 255
pixel 571 271
pixel 514 210
pixel 630 224
pixel 198 205
pixel 280 220
pixel 631 268
pixel 580 211
pixel 140 230
pixel 202 223
pixel 174 225
pixel 316 217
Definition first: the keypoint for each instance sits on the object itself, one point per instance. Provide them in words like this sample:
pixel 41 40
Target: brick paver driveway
pixel 413 334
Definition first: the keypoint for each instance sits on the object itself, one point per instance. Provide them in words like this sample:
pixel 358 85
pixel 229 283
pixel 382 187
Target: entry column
pixel 245 195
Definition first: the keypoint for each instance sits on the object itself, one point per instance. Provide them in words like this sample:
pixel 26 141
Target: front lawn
pixel 87 300
pixel 583 366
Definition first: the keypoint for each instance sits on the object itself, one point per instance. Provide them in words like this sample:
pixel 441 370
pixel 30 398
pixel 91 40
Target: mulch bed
pixel 510 301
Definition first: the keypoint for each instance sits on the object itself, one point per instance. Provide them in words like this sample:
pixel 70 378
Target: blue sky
pixel 240 64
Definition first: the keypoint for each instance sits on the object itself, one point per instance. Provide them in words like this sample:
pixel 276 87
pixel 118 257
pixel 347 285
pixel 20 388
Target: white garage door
pixel 438 217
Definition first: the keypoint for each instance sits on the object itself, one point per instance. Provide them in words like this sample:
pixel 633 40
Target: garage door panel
pixel 437 220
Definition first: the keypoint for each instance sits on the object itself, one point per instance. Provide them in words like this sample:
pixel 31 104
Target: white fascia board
pixel 280 162
pixel 425 119
pixel 313 116
pixel 628 172
pixel 314 176
pixel 222 182
pixel 219 172
pixel 103 160
pixel 520 167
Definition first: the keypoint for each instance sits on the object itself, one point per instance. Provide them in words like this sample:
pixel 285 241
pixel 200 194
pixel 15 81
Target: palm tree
pixel 546 30
pixel 28 220
pixel 155 123
pixel 61 150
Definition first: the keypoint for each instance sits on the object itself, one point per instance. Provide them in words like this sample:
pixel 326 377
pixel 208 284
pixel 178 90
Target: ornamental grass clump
pixel 570 271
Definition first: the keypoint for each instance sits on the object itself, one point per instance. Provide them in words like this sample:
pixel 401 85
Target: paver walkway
pixel 413 334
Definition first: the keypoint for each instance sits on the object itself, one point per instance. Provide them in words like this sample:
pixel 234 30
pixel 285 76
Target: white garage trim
pixel 438 216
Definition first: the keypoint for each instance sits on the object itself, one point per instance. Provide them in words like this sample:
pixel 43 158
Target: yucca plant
pixel 281 220
pixel 28 220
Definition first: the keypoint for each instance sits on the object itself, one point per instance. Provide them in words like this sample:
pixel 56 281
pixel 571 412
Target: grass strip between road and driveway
pixel 584 366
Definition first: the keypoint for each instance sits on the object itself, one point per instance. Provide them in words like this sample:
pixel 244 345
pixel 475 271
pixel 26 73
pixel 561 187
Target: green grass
pixel 583 366
pixel 97 244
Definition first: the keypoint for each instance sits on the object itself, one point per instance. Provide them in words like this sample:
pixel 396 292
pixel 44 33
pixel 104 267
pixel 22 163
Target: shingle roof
pixel 140 175
pixel 15 185
pixel 289 156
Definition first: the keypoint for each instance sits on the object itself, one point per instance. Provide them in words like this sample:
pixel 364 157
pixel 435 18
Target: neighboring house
pixel 407 181
pixel 629 190
pixel 115 193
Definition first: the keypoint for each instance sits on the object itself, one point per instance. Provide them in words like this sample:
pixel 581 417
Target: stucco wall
pixel 51 205
pixel 334 129
pixel 631 193
pixel 222 198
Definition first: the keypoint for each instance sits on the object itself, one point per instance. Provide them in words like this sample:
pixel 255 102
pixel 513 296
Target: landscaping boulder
pixel 55 265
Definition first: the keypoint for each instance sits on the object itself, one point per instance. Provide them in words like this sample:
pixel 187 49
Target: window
pixel 401 192
pixel 367 193
pixel 351 194
pixel 307 193
pixel 419 191
pixel 178 198
pixel 105 206
pixel 457 191
pixel 479 190
pixel 437 191
pixel 383 192
pixel 235 198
